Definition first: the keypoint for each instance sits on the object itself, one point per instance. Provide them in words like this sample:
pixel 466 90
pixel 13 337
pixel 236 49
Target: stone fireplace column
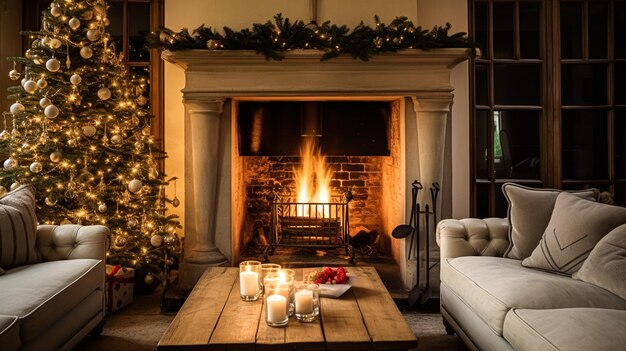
pixel 202 128
pixel 431 116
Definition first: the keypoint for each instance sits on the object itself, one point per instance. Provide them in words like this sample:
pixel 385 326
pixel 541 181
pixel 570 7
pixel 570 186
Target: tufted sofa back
pixel 473 237
pixel 72 242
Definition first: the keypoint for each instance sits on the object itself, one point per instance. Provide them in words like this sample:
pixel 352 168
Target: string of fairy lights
pixel 79 133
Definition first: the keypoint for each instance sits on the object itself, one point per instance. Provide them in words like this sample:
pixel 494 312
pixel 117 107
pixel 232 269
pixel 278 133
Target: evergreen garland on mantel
pixel 272 39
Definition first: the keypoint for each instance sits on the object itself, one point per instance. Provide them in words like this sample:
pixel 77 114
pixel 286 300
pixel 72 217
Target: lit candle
pixel 276 308
pixel 248 282
pixel 283 289
pixel 304 302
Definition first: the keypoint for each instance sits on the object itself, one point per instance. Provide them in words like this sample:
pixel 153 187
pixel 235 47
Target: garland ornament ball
pixel 75 79
pixel 134 186
pixel 56 156
pixel 14 74
pixel 104 93
pixel 42 83
pixel 53 65
pixel 51 111
pixel 74 23
pixel 30 86
pixel 102 208
pixel 10 163
pixel 86 52
pixel 55 11
pixel 17 108
pixel 54 43
pixel 89 131
pixel 15 185
pixel 93 34
pixel 36 167
pixel 156 240
pixel 45 102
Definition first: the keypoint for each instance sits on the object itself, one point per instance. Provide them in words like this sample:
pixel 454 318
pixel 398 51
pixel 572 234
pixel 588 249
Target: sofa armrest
pixel 473 237
pixel 71 241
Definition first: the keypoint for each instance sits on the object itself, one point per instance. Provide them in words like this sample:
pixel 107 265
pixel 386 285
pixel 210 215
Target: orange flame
pixel 312 179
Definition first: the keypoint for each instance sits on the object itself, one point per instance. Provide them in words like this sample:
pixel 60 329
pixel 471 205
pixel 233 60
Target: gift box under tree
pixel 119 287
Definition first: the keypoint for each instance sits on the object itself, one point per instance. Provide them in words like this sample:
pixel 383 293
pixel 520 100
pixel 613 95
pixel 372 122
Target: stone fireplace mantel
pixel 214 76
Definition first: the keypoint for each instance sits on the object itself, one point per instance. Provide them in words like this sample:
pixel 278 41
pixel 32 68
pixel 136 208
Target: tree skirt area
pixel 139 327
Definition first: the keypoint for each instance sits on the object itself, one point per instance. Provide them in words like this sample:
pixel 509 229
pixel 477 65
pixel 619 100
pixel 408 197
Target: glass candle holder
pixel 268 269
pixel 276 304
pixel 249 281
pixel 306 301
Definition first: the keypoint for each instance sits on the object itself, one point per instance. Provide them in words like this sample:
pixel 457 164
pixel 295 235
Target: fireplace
pixel 227 181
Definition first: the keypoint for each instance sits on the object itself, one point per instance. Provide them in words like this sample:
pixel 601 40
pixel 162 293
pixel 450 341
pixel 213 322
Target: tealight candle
pixel 276 313
pixel 249 288
pixel 304 302
pixel 307 302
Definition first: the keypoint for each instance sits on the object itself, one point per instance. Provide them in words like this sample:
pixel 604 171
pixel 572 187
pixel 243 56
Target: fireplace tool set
pixel 309 224
pixel 420 293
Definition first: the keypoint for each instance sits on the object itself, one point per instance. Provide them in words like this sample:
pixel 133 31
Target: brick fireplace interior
pixel 360 139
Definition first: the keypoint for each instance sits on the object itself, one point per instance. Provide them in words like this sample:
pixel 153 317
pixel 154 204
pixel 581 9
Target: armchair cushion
pixel 606 264
pixel 18 225
pixel 575 228
pixel 529 213
pixel 70 241
pixel 472 237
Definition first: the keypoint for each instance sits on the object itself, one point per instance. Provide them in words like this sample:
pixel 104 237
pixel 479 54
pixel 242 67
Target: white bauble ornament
pixel 36 167
pixel 53 65
pixel 104 93
pixel 3 190
pixel 156 240
pixel 106 21
pixel 134 186
pixel 74 23
pixel 142 100
pixel 102 208
pixel 14 74
pixel 15 185
pixel 75 79
pixel 86 52
pixel 56 156
pixel 148 279
pixel 23 81
pixel 42 83
pixel 5 135
pixel 54 43
pixel 119 242
pixel 45 41
pixel 44 102
pixel 132 222
pixel 56 11
pixel 93 34
pixel 51 200
pixel 51 111
pixel 89 131
pixel 16 107
pixel 10 163
pixel 30 86
pixel 116 139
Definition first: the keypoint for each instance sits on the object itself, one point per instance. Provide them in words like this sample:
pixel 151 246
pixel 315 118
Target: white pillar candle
pixel 283 290
pixel 304 302
pixel 276 308
pixel 248 283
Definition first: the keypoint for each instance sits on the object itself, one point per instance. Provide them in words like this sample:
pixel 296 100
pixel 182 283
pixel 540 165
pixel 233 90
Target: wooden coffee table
pixel 215 318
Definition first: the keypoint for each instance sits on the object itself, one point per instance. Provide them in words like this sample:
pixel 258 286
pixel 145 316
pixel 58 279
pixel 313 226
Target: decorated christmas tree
pixel 79 133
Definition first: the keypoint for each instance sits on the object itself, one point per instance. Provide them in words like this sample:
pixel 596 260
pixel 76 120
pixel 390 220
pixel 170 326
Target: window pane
pixel 620 143
pixel 482 200
pixel 138 28
pixel 481 157
pixel 481 90
pixel 116 16
pixel 620 195
pixel 583 84
pixel 529 30
pixel 503 34
pixel 517 84
pixel 502 205
pixel 620 83
pixel 516 144
pixel 584 145
pixel 620 29
pixel 598 29
pixel 481 27
pixel 571 30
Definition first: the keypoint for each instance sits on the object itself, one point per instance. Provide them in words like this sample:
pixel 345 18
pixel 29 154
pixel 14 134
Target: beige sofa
pixel 494 303
pixel 53 304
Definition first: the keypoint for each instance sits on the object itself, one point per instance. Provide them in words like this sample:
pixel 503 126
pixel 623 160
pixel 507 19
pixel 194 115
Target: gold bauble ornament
pixel 74 23
pixel 54 43
pixel 36 167
pixel 396 41
pixel 44 102
pixel 56 156
pixel 156 240
pixel 5 135
pixel 378 42
pixel 175 202
pixel 42 83
pixel 93 34
pixel 30 86
pixel 51 200
pixel 3 190
pixel 56 11
pixel 134 186
pixel 89 130
pixel 51 111
pixel 75 79
pixel 104 93
pixel 15 185
pixel 86 52
pixel 17 107
pixel 212 44
pixel 10 163
pixel 87 15
pixel 142 100
pixel 14 74
pixel 102 208
pixel 116 139
pixel 53 65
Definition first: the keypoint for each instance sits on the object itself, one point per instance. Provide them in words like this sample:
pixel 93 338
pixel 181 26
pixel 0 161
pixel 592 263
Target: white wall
pixel 238 14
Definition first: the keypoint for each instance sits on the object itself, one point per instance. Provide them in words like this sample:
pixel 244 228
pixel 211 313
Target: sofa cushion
pixel 9 333
pixel 18 228
pixel 491 286
pixel 42 293
pixel 569 329
pixel 575 228
pixel 606 264
pixel 529 213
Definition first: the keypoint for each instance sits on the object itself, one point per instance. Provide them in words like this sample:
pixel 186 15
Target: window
pixel 549 98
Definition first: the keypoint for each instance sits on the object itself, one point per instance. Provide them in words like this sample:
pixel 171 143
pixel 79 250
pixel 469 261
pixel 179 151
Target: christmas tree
pixel 80 135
